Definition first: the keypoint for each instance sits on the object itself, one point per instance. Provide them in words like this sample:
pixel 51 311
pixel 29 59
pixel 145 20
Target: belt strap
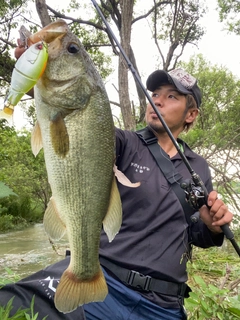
pixel 147 283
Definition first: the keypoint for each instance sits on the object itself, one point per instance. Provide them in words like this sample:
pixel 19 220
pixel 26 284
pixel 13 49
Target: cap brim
pixel 160 77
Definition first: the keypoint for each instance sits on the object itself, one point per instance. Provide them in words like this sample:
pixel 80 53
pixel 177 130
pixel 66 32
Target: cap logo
pixel 183 77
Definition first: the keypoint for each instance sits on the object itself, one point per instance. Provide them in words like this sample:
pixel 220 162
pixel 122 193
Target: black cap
pixel 183 81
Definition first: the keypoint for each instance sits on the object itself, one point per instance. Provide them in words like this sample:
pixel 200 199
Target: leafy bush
pixel 214 277
pixel 6 222
pixel 21 314
pixel 17 212
pixel 211 302
pixel 5 191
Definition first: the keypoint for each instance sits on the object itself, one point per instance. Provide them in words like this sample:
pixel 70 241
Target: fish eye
pixel 73 48
pixel 39 46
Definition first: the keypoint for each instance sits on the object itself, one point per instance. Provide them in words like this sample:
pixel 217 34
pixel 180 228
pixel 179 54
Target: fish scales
pixel 75 128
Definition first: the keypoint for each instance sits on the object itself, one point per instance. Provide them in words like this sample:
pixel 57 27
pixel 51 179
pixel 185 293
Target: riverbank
pixel 28 250
pixel 9 223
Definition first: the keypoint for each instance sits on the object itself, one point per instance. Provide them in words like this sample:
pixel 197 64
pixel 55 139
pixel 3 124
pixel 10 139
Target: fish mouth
pixel 49 33
pixel 58 83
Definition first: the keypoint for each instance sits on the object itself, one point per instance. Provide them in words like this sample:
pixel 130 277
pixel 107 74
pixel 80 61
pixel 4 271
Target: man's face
pixel 171 104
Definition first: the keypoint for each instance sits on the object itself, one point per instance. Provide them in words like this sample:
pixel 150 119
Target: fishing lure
pixel 28 69
pixel 32 63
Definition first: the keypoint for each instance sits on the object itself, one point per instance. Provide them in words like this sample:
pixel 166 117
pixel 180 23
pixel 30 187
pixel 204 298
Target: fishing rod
pixel 197 193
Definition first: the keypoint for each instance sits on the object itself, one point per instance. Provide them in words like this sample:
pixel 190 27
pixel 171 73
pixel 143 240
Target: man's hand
pixel 19 50
pixel 217 215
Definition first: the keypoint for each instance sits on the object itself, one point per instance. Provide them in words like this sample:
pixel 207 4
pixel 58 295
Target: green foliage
pixel 9 17
pixel 21 314
pixel 229 13
pixel 6 67
pixel 5 191
pixel 214 280
pixel 17 213
pixel 10 278
pixel 217 123
pixel 25 175
pixel 210 302
pixel 236 186
pixel 6 222
pixel 20 170
pixel 216 133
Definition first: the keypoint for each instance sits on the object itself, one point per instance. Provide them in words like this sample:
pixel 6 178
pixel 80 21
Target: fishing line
pixel 195 177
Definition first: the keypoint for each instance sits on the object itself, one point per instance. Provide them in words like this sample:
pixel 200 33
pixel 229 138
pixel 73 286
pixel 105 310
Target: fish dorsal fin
pixel 113 219
pixel 53 224
pixel 59 135
pixel 36 139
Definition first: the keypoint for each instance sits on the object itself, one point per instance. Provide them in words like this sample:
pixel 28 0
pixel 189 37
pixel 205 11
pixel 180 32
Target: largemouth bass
pixel 75 128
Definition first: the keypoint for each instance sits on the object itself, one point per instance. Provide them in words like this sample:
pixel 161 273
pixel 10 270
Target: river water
pixel 29 250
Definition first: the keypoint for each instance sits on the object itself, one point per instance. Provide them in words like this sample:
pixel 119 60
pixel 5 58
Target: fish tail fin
pixel 72 292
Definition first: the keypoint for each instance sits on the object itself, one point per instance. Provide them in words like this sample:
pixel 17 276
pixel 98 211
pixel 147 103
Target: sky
pixel 217 46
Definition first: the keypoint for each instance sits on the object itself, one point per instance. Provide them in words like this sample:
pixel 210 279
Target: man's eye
pixel 172 96
pixel 154 95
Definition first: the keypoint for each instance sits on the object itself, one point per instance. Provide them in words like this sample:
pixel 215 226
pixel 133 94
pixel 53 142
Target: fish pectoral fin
pixel 59 135
pixel 72 292
pixel 113 219
pixel 53 224
pixel 36 139
pixel 123 179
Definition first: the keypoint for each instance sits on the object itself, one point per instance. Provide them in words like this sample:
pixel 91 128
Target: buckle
pixel 138 280
pixel 151 140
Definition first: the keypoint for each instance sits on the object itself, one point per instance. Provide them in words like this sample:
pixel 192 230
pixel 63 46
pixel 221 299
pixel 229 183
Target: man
pixel 145 265
pixel 154 240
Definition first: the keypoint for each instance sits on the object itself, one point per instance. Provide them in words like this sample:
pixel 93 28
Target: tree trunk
pixel 43 12
pixel 125 37
pixel 141 94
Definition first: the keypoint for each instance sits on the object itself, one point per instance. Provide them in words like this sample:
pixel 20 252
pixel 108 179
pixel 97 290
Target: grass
pixel 214 276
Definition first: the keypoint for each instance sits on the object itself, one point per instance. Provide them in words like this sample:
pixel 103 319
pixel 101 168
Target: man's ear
pixel 191 115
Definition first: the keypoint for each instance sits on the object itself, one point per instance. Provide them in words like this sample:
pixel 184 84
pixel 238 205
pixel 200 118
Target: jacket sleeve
pixel 202 237
pixel 42 285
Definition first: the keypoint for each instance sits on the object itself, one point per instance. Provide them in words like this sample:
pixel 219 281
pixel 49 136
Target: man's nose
pixel 158 101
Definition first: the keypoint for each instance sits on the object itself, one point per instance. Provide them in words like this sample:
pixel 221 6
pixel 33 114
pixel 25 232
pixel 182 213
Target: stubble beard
pixel 156 127
pixel 159 129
